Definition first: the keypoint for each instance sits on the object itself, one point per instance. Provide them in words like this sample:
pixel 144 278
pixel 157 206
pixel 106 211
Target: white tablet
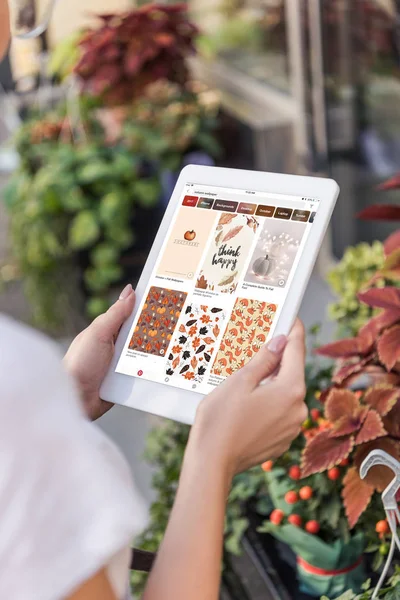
pixel 227 271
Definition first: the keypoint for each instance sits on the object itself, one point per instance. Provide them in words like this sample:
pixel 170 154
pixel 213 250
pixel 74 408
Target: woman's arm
pixel 189 561
pixel 241 424
pixel 97 588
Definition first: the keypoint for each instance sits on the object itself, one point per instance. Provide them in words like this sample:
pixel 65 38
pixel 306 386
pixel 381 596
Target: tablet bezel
pixel 175 403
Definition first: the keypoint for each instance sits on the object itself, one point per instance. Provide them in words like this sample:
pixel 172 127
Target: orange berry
pixel 334 474
pixel 295 520
pixel 295 473
pixel 344 462
pixel 315 414
pixel 276 517
pixel 291 497
pixel 382 527
pixel 306 492
pixel 312 527
pixel 267 466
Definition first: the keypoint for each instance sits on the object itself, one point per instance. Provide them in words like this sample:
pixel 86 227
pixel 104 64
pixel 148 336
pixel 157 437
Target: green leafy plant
pixel 352 274
pixel 133 49
pixel 72 204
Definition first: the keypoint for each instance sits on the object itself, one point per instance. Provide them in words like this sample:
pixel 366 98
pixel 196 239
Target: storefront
pixel 314 87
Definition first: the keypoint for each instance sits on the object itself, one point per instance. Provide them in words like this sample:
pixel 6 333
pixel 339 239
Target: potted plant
pixel 84 204
pixel 317 520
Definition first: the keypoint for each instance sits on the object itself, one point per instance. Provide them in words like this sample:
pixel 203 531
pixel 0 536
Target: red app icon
pixel 140 372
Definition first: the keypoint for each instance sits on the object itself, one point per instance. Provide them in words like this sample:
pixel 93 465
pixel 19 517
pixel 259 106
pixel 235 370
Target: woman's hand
pixel 239 425
pixel 244 421
pixel 90 354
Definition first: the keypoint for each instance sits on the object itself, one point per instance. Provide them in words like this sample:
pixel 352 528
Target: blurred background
pixel 98 116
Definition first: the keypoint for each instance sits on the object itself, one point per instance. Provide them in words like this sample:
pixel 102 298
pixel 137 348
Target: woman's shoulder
pixel 30 366
pixel 20 340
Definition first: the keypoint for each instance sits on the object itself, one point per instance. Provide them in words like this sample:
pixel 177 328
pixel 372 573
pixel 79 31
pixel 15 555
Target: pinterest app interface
pixel 218 286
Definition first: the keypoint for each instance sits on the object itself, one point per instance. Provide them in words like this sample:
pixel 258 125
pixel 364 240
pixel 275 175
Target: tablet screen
pixel 218 286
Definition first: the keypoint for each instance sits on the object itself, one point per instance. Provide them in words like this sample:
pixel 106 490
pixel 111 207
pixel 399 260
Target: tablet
pixel 227 271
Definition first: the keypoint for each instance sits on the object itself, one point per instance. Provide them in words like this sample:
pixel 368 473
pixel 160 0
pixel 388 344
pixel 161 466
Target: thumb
pixel 108 324
pixel 265 362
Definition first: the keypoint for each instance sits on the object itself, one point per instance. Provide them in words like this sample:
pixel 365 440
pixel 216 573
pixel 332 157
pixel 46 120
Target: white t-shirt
pixel 68 507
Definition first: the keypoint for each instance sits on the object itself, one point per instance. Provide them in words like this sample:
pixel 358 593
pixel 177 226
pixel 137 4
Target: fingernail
pixel 126 292
pixel 278 344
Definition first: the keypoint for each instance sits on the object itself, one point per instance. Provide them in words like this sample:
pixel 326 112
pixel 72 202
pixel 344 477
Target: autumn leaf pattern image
pixel 247 330
pixel 157 321
pixel 191 352
pixel 227 254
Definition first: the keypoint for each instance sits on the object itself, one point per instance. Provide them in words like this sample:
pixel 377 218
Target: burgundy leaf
pixel 378 375
pixel 324 452
pixel 387 297
pixel 341 349
pixel 356 494
pixel 382 398
pixel 392 421
pixel 389 347
pixel 377 324
pixel 341 403
pixel 349 424
pixel 392 243
pixel 380 212
pixel 391 184
pixel 372 429
pixel 347 370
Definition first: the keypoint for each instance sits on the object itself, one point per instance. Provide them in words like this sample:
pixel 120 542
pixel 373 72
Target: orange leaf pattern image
pixel 247 330
pixel 191 351
pixel 157 321
pixel 227 254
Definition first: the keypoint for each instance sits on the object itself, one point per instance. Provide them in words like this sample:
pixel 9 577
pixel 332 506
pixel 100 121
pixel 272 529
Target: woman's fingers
pixel 292 364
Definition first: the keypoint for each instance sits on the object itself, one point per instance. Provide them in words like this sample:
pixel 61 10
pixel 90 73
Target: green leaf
pixel 84 230
pixel 104 254
pixel 111 208
pixel 377 562
pixel 96 306
pixel 147 192
pixel 125 165
pixel 372 548
pixel 264 506
pixel 99 279
pixel 172 162
pixel 94 171
pixel 232 542
pixel 51 201
pixel 366 586
pixel 122 237
pixel 74 200
pixel 394 594
pixel 330 511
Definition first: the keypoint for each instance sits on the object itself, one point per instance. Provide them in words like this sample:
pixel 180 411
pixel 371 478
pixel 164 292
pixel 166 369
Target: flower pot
pixel 348 573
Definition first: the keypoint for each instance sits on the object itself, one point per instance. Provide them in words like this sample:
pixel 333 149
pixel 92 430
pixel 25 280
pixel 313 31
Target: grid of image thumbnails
pixel 185 329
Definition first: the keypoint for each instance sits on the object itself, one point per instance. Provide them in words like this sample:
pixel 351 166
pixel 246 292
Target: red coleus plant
pixel 369 418
pixel 133 49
